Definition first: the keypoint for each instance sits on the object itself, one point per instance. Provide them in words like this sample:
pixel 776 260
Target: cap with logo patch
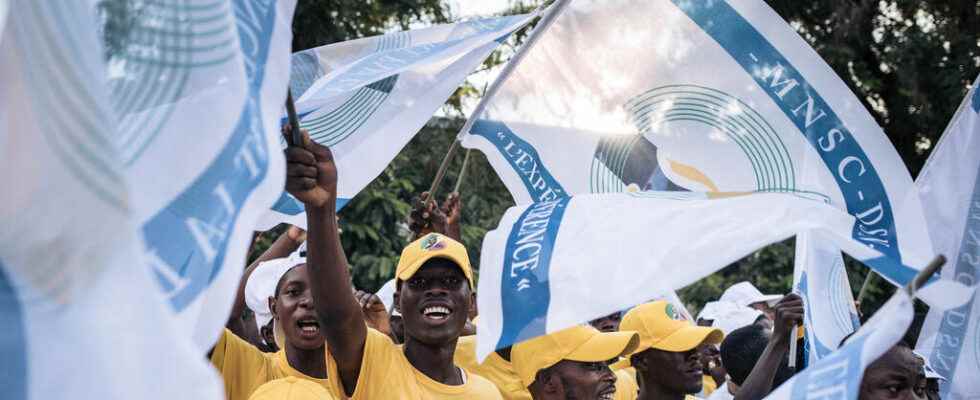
pixel 431 246
pixel 661 327
pixel 578 343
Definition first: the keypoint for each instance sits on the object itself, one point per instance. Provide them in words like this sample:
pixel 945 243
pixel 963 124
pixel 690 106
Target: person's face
pixel 435 302
pixel 585 380
pixel 764 307
pixel 609 323
pixel 293 307
pixel 896 375
pixel 678 372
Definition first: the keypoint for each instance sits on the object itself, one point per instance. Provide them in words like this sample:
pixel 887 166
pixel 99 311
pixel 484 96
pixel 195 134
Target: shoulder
pixel 480 387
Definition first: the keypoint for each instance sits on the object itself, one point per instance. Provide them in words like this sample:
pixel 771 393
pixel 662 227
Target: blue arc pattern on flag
pixel 856 176
pixel 366 98
pixel 188 239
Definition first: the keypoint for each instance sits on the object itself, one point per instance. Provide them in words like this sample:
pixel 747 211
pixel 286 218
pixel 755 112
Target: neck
pixel 312 363
pixel 652 390
pixel 435 361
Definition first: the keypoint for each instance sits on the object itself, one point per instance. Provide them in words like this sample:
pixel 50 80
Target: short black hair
pixel 741 349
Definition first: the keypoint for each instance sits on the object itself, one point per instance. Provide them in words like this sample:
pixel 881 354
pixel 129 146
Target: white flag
pixel 367 98
pixel 81 315
pixel 838 375
pixel 198 87
pixel 949 186
pixel 554 264
pixel 716 96
pixel 821 281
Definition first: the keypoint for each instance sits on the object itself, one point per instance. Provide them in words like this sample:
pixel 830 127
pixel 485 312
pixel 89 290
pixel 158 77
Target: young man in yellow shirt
pixel 434 295
pixel 571 364
pixel 667 361
pixel 303 355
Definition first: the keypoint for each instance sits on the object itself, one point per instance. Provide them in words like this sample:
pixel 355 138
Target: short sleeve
pixel 242 366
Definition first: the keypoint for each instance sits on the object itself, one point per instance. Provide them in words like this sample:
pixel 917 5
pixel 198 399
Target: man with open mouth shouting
pixel 434 294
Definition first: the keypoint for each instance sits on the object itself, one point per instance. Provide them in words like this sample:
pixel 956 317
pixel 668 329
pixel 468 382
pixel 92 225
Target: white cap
pixel 387 295
pixel 710 310
pixel 729 317
pixel 744 294
pixel 262 283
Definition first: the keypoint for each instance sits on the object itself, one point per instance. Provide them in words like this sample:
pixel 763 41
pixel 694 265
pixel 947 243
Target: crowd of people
pixel 299 330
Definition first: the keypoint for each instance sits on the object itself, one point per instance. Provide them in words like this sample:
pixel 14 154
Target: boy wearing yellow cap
pixel 571 363
pixel 667 361
pixel 433 293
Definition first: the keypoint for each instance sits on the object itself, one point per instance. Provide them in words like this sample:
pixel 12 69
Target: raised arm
pixel 789 312
pixel 311 177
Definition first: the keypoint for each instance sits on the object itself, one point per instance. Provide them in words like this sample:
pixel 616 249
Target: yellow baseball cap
pixel 290 388
pixel 431 246
pixel 578 343
pixel 661 327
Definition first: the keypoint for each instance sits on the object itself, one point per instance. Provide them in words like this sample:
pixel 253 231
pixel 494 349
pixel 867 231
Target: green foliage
pixel 373 224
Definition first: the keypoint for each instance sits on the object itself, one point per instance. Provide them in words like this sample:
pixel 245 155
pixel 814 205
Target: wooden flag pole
pixel 923 277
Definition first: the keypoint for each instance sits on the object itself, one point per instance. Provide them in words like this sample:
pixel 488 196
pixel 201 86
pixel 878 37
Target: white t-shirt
pixel 721 393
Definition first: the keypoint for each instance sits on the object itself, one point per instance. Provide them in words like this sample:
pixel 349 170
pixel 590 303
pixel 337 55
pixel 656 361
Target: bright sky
pixel 471 8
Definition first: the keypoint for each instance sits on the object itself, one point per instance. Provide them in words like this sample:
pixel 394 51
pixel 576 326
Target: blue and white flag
pixel 367 98
pixel 839 374
pixel 197 87
pixel 949 186
pixel 821 281
pixel 716 96
pixel 558 263
pixel 81 316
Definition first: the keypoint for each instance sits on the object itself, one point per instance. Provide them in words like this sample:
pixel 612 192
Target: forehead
pixel 295 274
pixel 898 361
pixel 439 267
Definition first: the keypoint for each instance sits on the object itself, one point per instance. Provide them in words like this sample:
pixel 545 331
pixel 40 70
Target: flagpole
pixel 295 137
pixel 554 11
pixel 865 286
pixel 923 277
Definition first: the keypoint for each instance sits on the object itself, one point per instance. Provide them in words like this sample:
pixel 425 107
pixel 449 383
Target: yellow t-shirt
pixel 626 387
pixel 497 370
pixel 244 367
pixel 387 374
pixel 708 385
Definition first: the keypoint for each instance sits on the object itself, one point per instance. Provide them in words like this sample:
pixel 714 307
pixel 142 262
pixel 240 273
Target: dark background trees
pixel 910 62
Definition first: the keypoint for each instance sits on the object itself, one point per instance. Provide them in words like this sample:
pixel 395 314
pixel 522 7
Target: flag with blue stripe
pixel 197 101
pixel 81 316
pixel 367 98
pixel 553 264
pixel 718 96
pixel 949 186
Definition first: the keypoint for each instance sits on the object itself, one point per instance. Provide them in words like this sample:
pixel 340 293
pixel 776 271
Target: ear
pixel 396 297
pixel 272 307
pixel 472 312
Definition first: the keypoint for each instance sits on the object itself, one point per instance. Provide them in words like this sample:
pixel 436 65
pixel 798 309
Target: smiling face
pixel 434 302
pixel 292 306
pixel 677 372
pixel 895 375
